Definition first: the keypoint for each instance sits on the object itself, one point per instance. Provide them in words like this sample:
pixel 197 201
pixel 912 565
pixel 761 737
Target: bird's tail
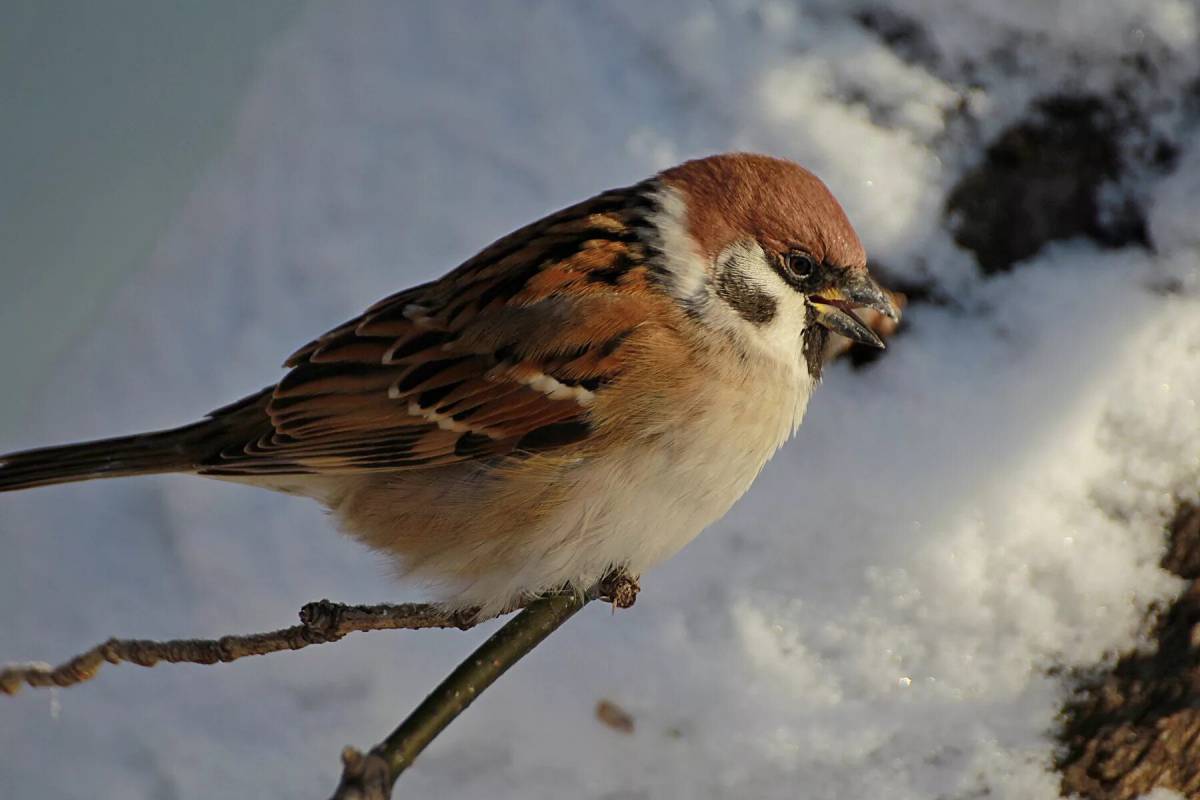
pixel 177 450
pixel 142 454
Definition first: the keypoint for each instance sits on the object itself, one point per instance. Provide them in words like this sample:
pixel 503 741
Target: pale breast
pixel 491 538
pixel 669 488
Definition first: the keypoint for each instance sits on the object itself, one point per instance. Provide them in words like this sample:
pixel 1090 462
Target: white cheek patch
pixel 754 302
pixel 754 305
pixel 739 285
pixel 685 270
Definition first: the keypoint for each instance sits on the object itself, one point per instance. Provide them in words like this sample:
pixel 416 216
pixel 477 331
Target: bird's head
pixel 758 248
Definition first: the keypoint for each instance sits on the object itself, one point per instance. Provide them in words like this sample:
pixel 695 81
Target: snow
pixel 883 614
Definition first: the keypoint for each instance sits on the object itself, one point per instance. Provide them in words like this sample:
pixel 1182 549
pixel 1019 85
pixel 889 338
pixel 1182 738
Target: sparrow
pixel 583 396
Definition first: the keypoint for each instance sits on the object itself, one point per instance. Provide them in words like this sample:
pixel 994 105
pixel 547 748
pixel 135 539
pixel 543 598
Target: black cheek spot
pixel 751 303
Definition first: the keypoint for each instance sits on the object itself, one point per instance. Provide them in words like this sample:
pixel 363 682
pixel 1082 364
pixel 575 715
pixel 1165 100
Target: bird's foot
pixel 619 588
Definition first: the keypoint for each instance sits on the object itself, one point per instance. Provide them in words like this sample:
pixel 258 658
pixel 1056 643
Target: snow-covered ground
pixel 881 616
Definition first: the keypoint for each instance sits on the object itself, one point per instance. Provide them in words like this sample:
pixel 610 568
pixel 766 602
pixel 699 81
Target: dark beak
pixel 834 307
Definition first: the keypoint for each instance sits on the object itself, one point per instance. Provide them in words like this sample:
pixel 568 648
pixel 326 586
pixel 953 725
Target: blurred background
pixel 111 114
pixel 924 594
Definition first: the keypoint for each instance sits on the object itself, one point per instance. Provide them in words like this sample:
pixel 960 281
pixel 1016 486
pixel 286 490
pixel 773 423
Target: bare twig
pixel 371 776
pixel 320 622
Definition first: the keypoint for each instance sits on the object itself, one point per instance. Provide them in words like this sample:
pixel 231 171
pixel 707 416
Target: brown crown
pixel 780 204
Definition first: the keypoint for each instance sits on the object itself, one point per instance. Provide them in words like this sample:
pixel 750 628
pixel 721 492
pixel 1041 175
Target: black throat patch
pixel 815 338
pixel 751 303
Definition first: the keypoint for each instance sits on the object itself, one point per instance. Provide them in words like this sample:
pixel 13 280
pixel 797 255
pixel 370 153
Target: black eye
pixel 800 264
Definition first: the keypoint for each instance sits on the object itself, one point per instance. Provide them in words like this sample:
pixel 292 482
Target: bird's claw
pixel 619 588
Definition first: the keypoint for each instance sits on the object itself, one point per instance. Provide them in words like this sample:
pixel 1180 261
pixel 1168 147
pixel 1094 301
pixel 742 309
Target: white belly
pixel 490 540
pixel 636 507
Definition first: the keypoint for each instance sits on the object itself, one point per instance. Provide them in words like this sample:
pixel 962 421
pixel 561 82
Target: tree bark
pixel 1137 728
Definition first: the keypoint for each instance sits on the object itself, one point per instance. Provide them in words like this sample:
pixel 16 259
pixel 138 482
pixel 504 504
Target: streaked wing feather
pixel 503 355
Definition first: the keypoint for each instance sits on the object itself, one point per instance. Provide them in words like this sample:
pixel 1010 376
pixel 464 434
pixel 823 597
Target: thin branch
pixel 371 776
pixel 320 622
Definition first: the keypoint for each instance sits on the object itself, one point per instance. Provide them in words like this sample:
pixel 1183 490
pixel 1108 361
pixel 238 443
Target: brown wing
pixel 505 354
